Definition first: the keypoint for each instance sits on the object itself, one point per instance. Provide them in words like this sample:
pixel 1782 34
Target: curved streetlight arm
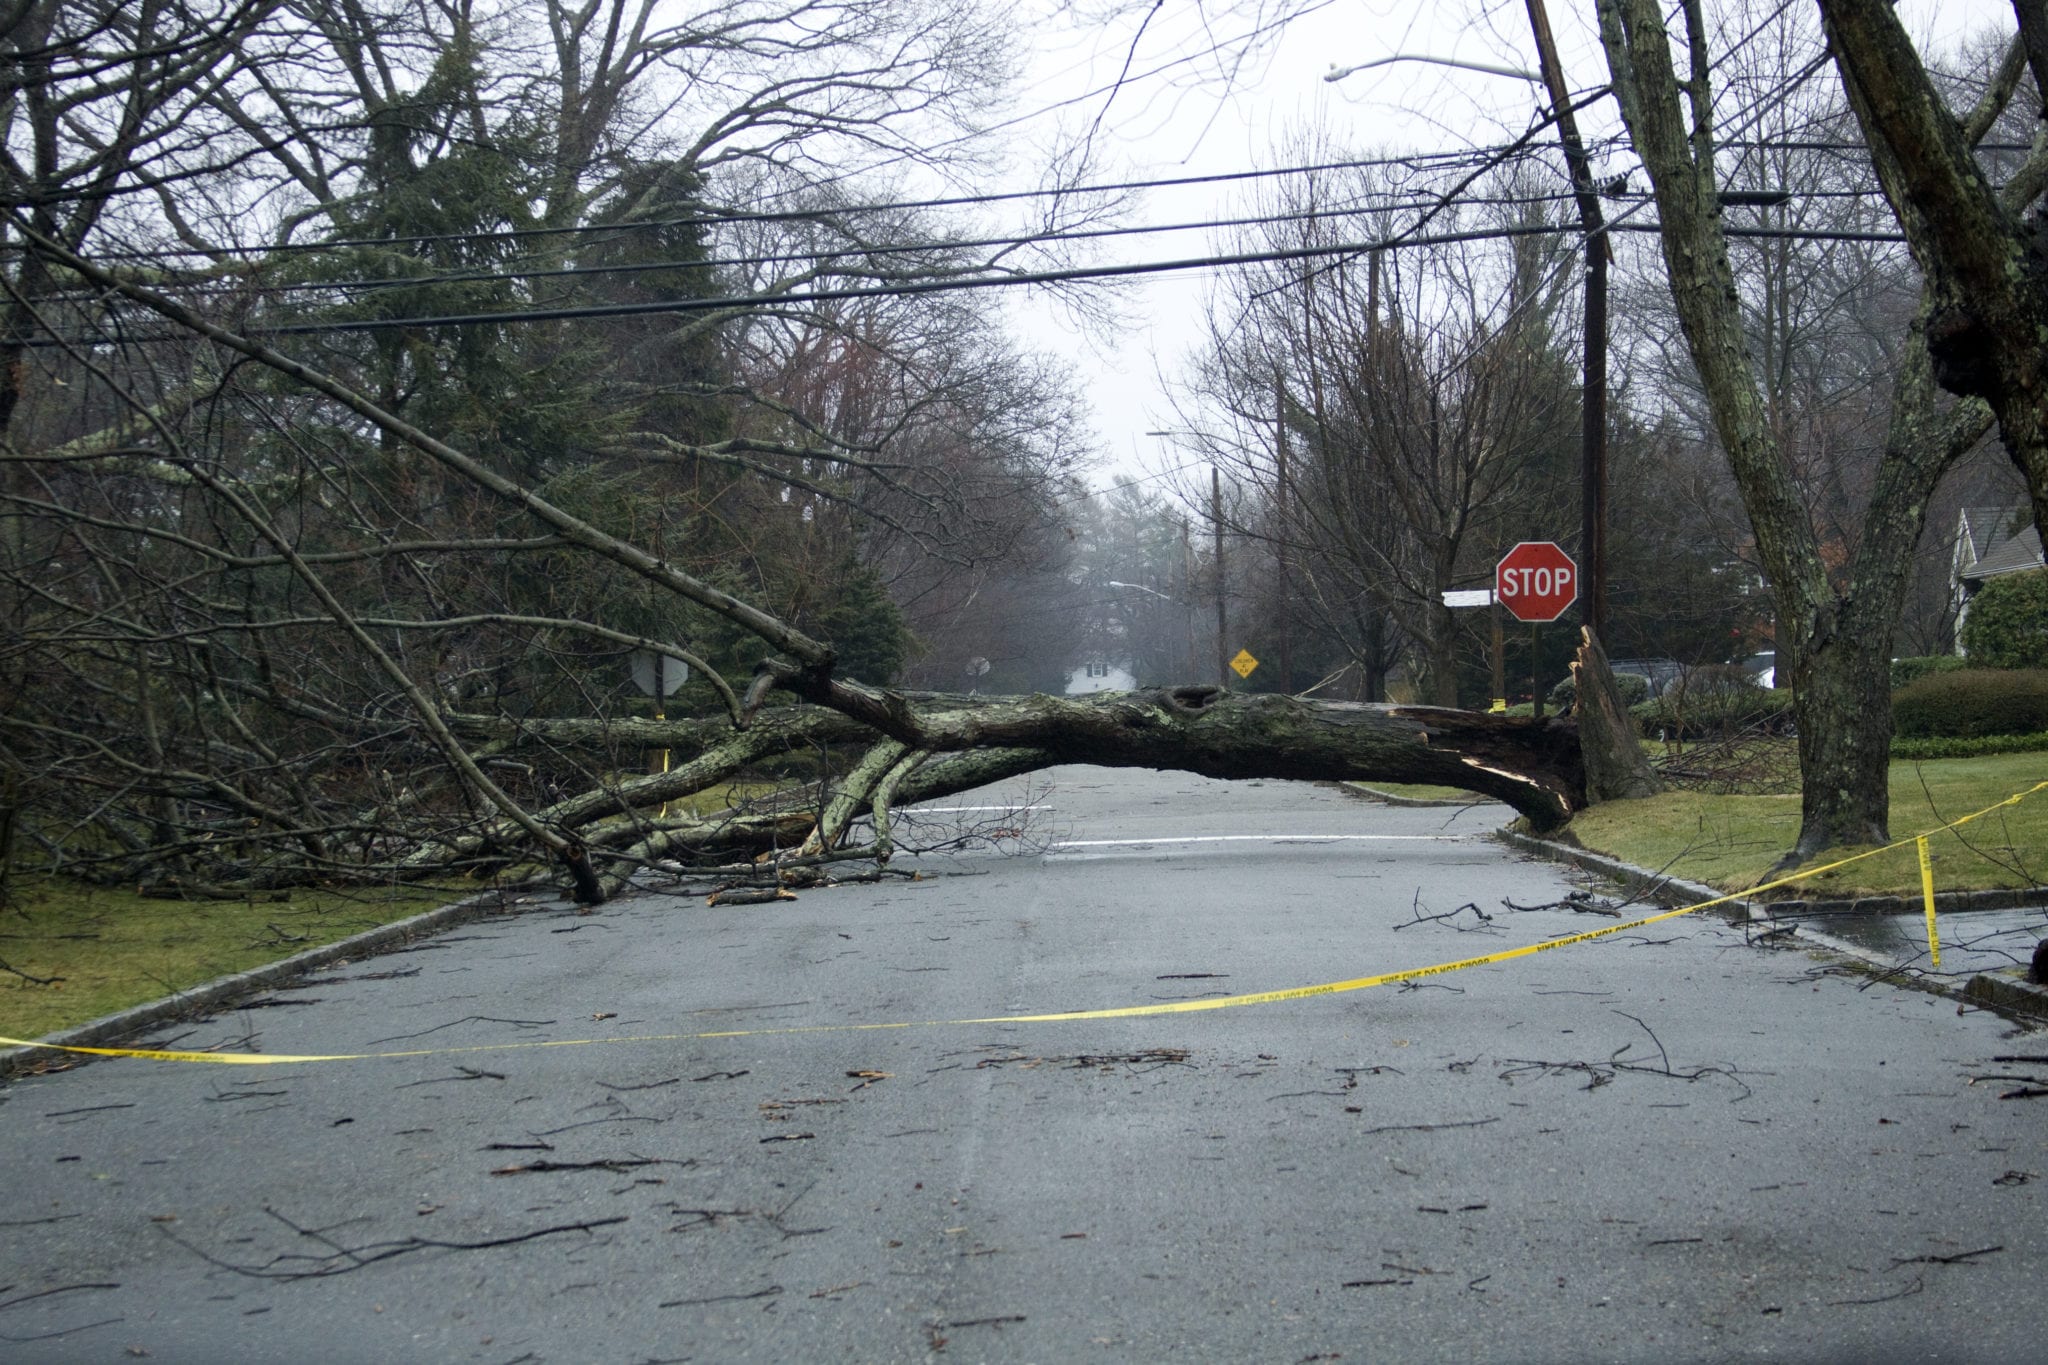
pixel 1338 73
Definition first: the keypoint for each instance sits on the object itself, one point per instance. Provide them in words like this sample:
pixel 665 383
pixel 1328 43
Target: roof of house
pixel 1977 528
pixel 1998 541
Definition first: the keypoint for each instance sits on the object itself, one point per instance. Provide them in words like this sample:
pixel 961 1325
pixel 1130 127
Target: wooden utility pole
pixel 1283 532
pixel 1500 661
pixel 1593 393
pixel 1222 611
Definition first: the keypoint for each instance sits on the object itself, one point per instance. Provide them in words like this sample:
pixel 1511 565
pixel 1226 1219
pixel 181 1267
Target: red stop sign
pixel 1536 581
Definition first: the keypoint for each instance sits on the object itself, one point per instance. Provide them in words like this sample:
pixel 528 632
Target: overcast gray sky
pixel 1201 115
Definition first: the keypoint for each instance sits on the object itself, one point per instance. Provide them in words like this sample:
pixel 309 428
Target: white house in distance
pixel 1990 541
pixel 1099 674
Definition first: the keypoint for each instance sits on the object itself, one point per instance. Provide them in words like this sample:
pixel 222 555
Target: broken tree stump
pixel 1617 769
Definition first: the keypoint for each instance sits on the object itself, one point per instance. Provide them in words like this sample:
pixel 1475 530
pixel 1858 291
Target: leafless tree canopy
pixel 381 379
pixel 1399 417
pixel 242 612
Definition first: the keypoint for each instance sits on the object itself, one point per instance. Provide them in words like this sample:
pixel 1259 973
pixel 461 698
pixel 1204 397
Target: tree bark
pixel 1443 653
pixel 1989 331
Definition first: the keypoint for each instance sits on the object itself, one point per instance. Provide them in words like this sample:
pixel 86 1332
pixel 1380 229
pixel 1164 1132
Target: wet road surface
pixel 1666 1145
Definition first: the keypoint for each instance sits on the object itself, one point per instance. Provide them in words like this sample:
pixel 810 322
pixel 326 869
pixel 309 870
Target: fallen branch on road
pixel 340 1260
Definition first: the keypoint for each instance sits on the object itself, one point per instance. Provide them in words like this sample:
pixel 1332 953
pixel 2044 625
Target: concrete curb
pixel 1945 902
pixel 1639 882
pixel 2008 993
pixel 109 1030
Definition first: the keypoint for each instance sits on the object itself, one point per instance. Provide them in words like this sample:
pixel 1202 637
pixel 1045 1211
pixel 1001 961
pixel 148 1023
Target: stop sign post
pixel 1536 581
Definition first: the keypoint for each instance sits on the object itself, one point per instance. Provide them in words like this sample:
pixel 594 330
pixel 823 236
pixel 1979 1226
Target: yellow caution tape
pixel 1927 894
pixel 1225 1002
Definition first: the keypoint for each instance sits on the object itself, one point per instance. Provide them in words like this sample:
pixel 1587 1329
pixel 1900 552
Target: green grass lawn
pixel 1731 841
pixel 1422 791
pixel 103 950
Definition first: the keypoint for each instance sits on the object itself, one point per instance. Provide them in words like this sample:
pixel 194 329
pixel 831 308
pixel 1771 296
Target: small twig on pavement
pixel 1931 1258
pixel 1578 902
pixel 1417 917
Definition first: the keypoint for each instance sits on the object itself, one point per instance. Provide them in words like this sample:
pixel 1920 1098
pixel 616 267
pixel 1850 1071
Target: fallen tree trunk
pixel 902 748
pixel 933 746
pixel 1533 766
pixel 570 801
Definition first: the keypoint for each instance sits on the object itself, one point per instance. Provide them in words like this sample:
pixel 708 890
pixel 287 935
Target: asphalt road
pixel 1665 1145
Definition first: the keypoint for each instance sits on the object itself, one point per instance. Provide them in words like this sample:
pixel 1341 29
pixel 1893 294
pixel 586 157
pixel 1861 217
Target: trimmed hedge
pixel 2008 622
pixel 1979 747
pixel 1972 702
pixel 1906 671
pixel 1713 701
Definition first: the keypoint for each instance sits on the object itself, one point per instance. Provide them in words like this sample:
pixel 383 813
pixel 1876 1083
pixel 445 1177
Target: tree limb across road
pixel 1534 767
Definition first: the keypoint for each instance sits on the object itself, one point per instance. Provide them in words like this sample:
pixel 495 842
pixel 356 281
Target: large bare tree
pixel 502 781
pixel 354 599
pixel 1835 617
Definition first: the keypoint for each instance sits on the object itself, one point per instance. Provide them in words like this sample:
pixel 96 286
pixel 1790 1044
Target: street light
pixel 1338 73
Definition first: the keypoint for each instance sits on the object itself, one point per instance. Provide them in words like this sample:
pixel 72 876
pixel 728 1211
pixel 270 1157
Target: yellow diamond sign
pixel 1244 663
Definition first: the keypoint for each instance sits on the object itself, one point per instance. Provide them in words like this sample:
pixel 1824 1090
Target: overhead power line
pixel 866 252
pixel 909 288
pixel 716 217
pixel 712 217
pixel 871 251
pixel 795 254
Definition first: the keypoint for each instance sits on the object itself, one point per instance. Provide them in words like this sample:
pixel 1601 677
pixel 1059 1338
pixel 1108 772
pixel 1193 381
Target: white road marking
pixel 954 810
pixel 1268 839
